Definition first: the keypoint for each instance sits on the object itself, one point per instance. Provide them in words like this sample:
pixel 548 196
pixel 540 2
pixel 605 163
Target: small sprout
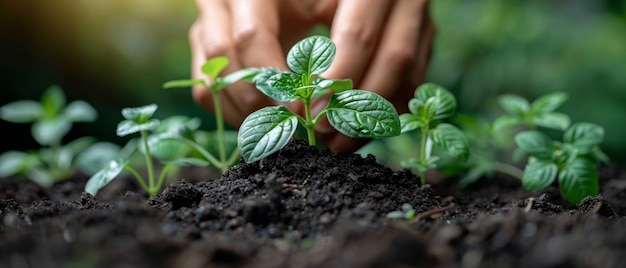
pixel 407 213
pixel 573 161
pixel 431 104
pixel 52 119
pixel 540 112
pixel 212 69
pixel 355 113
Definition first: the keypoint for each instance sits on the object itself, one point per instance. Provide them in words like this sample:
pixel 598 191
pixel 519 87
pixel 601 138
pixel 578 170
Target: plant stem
pixel 309 123
pixel 219 121
pixel 149 165
pixel 508 169
pixel 423 154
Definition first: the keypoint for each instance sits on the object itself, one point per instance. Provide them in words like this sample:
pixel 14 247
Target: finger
pixel 209 37
pixel 417 73
pixel 355 31
pixel 397 52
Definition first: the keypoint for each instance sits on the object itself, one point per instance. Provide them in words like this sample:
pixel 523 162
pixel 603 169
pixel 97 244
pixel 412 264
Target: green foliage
pixel 573 160
pixel 52 118
pixel 431 104
pixel 215 83
pixel 174 140
pixel 407 213
pixel 355 113
pixel 540 113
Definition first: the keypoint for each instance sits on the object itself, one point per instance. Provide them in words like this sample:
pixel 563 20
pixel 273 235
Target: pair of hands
pixel 384 46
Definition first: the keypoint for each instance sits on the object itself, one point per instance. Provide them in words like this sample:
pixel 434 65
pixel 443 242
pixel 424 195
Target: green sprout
pixel 573 160
pixel 212 69
pixel 355 113
pixel 431 104
pixel 539 113
pixel 51 120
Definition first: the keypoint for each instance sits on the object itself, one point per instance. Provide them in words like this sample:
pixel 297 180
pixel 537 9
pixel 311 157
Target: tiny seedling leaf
pixel 584 136
pixel 281 87
pixel 409 122
pixel 552 120
pixel 363 114
pixel 247 75
pixel 266 131
pixel 443 102
pixel 514 105
pixel 578 180
pixel 50 131
pixel 127 127
pixel 504 122
pixel 534 143
pixel 139 114
pixel 548 103
pixel 53 100
pixel 451 139
pixel 104 176
pixel 312 55
pixel 80 111
pixel 538 174
pixel 184 83
pixel 214 66
pixel 23 111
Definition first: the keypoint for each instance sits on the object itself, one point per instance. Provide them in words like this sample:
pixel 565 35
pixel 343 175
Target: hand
pixel 383 46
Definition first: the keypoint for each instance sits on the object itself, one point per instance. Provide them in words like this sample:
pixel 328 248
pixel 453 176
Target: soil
pixel 303 207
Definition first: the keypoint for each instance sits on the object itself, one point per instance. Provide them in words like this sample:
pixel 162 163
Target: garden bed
pixel 302 207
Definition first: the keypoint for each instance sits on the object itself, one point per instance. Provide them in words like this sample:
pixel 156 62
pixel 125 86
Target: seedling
pixel 212 69
pixel 51 120
pixel 431 104
pixel 573 161
pixel 407 213
pixel 355 113
pixel 139 120
pixel 539 113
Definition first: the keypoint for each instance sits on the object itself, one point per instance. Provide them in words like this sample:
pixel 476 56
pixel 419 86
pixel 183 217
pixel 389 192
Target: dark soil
pixel 302 207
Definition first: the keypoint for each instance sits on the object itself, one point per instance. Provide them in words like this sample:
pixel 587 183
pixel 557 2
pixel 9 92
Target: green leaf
pixel 184 83
pixel 16 162
pixel 52 101
pixel 451 139
pixel 266 131
pixel 23 111
pixel 548 103
pixel 312 55
pixel 578 180
pixel 104 176
pixel 409 122
pixel 247 75
pixel 552 120
pixel 514 105
pixel 416 106
pixel 214 66
pixel 584 136
pixel 336 85
pixel 363 114
pixel 139 114
pixel 534 143
pixel 441 102
pixel 80 111
pixel 504 122
pixel 97 156
pixel 281 87
pixel 127 127
pixel 50 131
pixel 538 174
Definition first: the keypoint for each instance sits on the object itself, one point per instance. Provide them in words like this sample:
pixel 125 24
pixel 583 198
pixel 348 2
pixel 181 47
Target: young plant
pixel 51 120
pixel 573 161
pixel 355 113
pixel 539 113
pixel 431 104
pixel 212 69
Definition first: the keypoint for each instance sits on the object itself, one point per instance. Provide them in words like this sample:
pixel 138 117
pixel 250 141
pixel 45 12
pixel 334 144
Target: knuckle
pixel 401 56
pixel 358 35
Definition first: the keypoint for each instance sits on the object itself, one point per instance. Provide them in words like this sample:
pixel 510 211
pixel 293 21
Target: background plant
pixel 573 160
pixel 52 118
pixel 431 104
pixel 212 69
pixel 355 113
pixel 155 139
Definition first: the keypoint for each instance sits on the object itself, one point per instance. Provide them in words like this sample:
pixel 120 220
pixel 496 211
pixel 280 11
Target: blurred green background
pixel 116 54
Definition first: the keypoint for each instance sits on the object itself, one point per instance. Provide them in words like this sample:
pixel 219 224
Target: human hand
pixel 383 46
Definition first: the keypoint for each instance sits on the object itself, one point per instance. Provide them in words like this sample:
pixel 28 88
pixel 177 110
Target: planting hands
pixel 383 46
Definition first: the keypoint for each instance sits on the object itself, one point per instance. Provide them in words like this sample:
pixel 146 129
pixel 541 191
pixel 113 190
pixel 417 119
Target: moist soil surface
pixel 304 207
